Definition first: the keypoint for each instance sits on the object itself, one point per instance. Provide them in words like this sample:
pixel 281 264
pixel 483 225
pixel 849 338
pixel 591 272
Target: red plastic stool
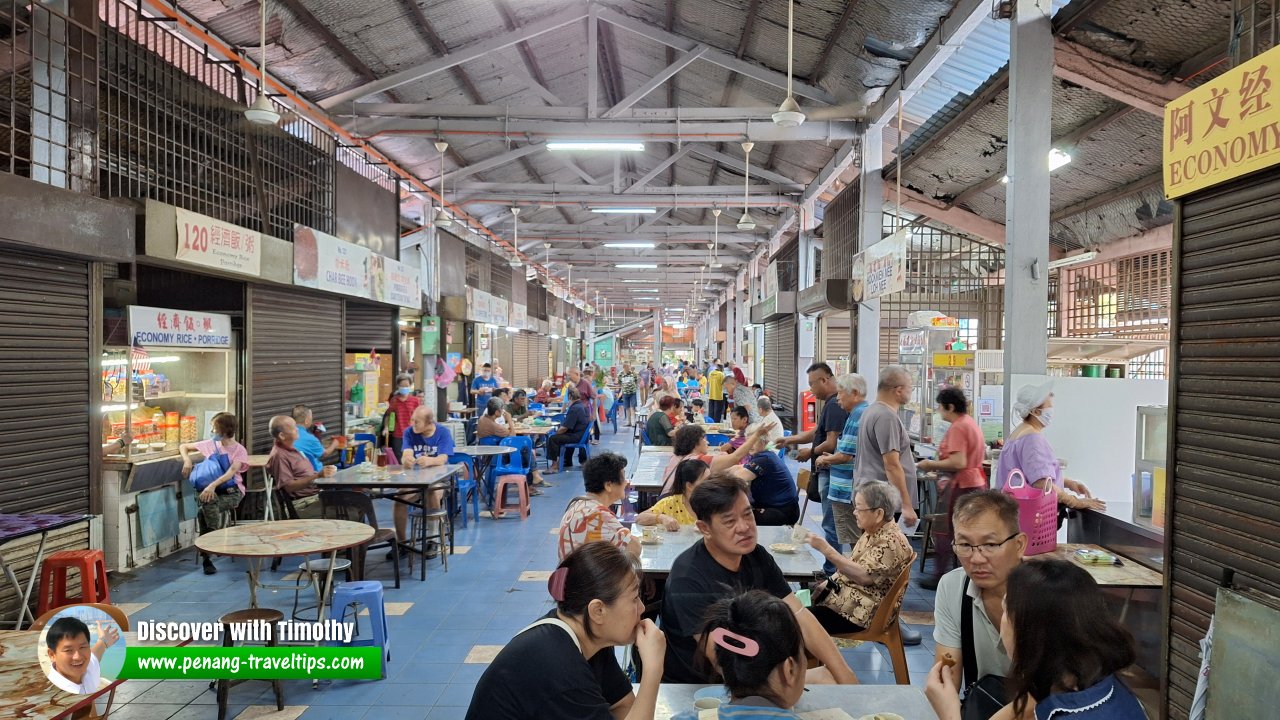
pixel 521 486
pixel 93 579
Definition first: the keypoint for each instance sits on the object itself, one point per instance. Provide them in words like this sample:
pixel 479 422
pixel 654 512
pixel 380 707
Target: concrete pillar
pixel 1027 194
pixel 657 338
pixel 866 314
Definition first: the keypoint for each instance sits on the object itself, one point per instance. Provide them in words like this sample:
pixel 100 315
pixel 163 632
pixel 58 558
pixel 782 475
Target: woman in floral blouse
pixel 847 602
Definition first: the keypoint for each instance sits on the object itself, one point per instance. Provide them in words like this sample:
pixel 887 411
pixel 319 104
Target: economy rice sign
pixel 1226 128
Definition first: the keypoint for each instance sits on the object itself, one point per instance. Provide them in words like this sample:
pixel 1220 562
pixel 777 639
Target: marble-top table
pixel 26 693
pixel 647 473
pixel 657 558
pixel 857 701
pixel 284 538
pixel 16 527
pixel 389 481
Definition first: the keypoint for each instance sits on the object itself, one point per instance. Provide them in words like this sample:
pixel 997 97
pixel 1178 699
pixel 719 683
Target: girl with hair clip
pixel 757 648
pixel 564 665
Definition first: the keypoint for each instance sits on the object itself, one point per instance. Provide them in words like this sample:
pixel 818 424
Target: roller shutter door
pixel 539 366
pixel 836 342
pixel 1224 506
pixel 519 373
pixel 368 326
pixel 44 383
pixel 295 356
pixel 780 364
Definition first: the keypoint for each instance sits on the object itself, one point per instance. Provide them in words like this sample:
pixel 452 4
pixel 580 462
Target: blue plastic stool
pixel 369 594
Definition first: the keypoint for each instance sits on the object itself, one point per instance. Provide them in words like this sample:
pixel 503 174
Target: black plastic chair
pixel 358 507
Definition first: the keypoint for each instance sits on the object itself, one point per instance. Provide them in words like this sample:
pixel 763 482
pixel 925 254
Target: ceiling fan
pixel 789 114
pixel 263 113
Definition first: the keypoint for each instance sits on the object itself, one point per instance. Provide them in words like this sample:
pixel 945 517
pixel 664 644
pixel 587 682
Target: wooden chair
pixel 884 628
pixel 121 619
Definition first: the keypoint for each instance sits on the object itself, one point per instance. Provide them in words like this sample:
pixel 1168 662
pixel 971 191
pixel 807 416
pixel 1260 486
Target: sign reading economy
pixel 1224 129
pixel 159 327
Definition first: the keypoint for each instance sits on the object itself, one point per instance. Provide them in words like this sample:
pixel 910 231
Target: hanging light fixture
pixel 789 115
pixel 715 244
pixel 262 112
pixel 745 222
pixel 442 219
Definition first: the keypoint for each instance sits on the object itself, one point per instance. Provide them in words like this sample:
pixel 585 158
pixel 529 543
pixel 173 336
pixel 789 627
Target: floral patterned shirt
pixel 883 554
pixel 586 520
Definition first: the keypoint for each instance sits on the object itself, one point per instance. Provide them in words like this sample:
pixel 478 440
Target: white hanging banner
pixel 882 268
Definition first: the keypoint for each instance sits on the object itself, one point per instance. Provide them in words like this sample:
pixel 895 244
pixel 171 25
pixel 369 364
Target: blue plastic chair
pixel 612 416
pixel 466 486
pixel 583 444
pixel 717 439
pixel 537 407
pixel 782 452
pixel 491 440
pixel 514 463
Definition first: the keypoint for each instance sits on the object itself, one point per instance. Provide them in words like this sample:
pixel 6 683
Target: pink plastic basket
pixel 1037 513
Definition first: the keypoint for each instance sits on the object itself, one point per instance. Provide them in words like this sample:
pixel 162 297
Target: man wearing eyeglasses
pixel 989 546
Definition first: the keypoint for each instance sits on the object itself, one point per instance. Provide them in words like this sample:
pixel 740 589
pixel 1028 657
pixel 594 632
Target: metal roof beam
pixel 554 112
pixel 1118 80
pixel 564 160
pixel 740 165
pixel 955 217
pixel 726 230
pixel 676 200
pixel 717 57
pixel 941 45
pixel 458 56
pixel 843 158
pixel 1109 196
pixel 655 132
pixel 539 83
pixel 526 75
pixel 463 188
pixel 488 163
pixel 649 176
pixel 663 75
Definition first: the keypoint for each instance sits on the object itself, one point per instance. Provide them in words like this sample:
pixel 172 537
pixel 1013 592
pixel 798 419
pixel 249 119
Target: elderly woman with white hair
pixel 851 393
pixel 847 602
pixel 1028 450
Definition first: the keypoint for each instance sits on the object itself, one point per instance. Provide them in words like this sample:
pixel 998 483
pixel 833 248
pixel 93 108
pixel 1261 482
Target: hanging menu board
pixel 323 262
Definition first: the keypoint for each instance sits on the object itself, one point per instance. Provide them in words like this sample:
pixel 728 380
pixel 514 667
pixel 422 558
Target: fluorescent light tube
pixel 624 210
pixel 636 266
pixel 1073 260
pixel 630 245
pixel 622 146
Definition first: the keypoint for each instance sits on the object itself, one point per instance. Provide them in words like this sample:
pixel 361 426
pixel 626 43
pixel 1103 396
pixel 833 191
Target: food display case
pixel 920 350
pixel 162 382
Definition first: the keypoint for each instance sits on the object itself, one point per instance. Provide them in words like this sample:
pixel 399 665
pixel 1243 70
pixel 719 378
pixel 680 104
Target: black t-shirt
pixel 831 419
pixel 697 581
pixel 541 674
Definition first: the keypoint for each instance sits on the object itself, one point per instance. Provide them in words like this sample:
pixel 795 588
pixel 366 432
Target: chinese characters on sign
pixel 151 327
pixel 213 243
pixel 1226 128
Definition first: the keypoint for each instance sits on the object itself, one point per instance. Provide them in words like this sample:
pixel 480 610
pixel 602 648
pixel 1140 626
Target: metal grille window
pixel 840 234
pixel 953 275
pixel 477 268
pixel 49 93
pixel 1127 298
pixel 499 277
pixel 1257 28
pixel 172 130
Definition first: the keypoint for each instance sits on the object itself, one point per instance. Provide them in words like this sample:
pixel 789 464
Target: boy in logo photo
pixel 75 664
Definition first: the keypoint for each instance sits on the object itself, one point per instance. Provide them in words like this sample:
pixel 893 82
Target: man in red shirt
pixel 959 463
pixel 586 391
pixel 292 471
pixel 403 402
pixel 737 373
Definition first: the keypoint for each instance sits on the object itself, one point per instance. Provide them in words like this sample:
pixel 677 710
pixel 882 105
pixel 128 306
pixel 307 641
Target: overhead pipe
pixel 307 109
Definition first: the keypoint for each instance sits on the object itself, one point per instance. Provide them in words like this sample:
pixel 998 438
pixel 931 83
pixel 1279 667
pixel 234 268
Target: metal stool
pixel 317 570
pixel 245 617
pixel 441 515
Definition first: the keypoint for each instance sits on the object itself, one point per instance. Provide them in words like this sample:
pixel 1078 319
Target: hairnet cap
pixel 1031 397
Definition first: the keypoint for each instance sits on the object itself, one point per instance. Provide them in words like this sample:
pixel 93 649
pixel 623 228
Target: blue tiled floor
pixel 479 601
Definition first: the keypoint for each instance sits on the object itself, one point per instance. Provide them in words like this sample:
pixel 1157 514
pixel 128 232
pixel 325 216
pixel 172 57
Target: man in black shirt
pixel 727 561
pixel 824 436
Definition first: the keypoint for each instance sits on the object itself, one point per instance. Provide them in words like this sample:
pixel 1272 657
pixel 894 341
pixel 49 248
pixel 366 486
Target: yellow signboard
pixel 953 359
pixel 1226 128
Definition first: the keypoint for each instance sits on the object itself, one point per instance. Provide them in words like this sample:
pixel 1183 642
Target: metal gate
pixel 295 356
pixel 780 364
pixel 519 372
pixel 1223 510
pixel 44 384
pixel 539 365
pixel 369 327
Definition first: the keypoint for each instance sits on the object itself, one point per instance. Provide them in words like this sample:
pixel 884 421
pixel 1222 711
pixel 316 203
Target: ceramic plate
pixel 785 548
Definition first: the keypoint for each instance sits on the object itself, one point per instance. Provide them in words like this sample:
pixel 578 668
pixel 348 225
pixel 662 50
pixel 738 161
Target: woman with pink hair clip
pixel 754 642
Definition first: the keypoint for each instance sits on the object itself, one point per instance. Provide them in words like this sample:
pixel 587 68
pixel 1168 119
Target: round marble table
pixel 284 538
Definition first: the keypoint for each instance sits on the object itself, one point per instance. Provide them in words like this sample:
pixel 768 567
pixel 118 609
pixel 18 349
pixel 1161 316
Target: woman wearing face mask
pixel 215 499
pixel 1028 450
pixel 403 402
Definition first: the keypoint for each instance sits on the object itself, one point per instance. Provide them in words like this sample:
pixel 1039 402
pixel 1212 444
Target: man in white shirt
pixel 77 665
pixel 764 407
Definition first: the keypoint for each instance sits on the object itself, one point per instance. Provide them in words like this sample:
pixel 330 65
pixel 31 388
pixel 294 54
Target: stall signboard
pixel 396 284
pixel 771 279
pixel 882 268
pixel 602 353
pixel 499 311
pixel 323 262
pixel 1226 128
pixel 202 240
pixel 519 317
pixel 160 327
pixel 953 359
